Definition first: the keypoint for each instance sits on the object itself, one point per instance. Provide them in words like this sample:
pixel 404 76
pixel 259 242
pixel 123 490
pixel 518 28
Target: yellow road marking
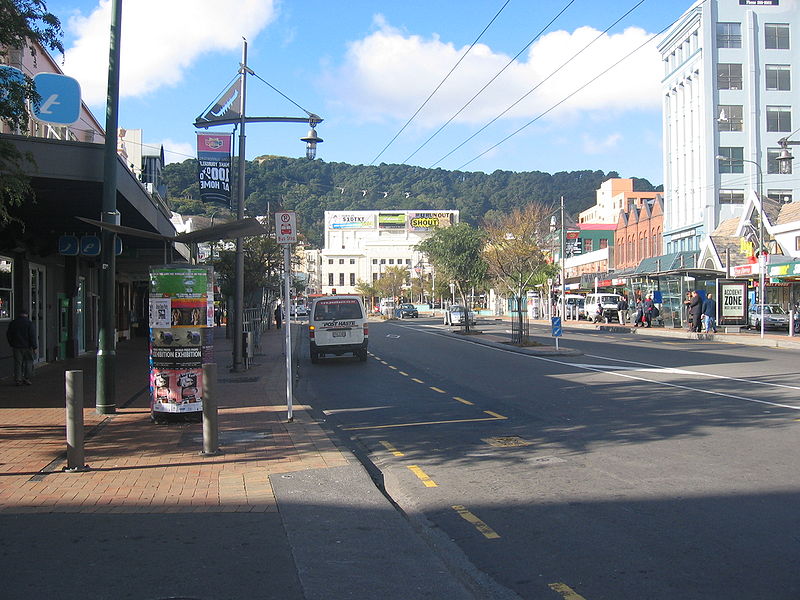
pixel 463 401
pixel 494 414
pixel 496 417
pixel 566 592
pixel 423 476
pixel 403 373
pixel 383 362
pixel 487 531
pixel 391 448
pixel 417 380
pixel 435 389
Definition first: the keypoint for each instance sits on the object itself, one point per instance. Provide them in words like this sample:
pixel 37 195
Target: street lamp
pixel 762 263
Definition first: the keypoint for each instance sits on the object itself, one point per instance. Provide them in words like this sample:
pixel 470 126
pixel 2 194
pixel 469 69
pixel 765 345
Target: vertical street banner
pixel 214 167
pixel 181 337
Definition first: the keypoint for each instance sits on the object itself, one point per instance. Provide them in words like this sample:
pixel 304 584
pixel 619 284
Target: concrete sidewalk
pixel 283 513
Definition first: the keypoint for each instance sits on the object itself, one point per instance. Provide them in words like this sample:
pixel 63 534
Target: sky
pixel 551 85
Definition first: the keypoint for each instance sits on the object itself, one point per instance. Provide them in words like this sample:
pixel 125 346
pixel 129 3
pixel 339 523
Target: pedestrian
pixel 21 336
pixel 710 314
pixel 623 310
pixel 687 318
pixel 278 316
pixel 649 310
pixel 695 310
pixel 639 320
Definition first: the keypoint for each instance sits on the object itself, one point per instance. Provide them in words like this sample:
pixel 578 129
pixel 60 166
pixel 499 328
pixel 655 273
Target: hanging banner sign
pixel 214 167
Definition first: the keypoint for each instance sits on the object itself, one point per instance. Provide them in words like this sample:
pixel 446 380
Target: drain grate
pixel 509 441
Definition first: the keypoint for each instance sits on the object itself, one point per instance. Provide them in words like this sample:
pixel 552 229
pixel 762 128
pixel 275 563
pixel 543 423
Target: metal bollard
pixel 74 398
pixel 210 413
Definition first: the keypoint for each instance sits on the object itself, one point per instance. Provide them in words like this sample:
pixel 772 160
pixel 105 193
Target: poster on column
pixel 181 339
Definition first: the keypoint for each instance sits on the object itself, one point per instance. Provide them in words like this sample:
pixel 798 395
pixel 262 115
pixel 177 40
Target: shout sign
pixel 286 227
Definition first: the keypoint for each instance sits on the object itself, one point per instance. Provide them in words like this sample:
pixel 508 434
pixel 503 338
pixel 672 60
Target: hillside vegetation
pixel 312 187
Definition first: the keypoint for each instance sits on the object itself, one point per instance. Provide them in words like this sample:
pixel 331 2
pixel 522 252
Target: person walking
pixel 695 310
pixel 649 309
pixel 710 314
pixel 21 336
pixel 623 310
pixel 639 320
pixel 278 316
pixel 687 317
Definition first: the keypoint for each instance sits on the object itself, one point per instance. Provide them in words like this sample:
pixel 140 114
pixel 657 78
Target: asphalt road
pixel 642 468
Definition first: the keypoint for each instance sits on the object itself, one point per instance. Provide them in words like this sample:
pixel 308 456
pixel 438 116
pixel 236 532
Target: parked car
pixel 454 315
pixel 405 311
pixel 602 307
pixel 298 310
pixel 775 317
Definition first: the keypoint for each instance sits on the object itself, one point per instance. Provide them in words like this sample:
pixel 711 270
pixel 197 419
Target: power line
pixel 479 92
pixel 538 85
pixel 446 77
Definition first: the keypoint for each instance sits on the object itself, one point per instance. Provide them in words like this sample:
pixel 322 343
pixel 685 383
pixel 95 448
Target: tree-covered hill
pixel 312 187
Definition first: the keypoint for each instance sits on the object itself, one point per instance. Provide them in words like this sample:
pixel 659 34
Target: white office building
pixel 731 81
pixel 361 244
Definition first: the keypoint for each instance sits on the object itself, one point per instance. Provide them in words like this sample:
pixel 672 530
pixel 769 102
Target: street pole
pixel 563 266
pixel 105 394
pixel 287 274
pixel 238 298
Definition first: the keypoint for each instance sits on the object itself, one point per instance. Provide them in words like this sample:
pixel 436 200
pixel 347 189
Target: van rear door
pixel 338 322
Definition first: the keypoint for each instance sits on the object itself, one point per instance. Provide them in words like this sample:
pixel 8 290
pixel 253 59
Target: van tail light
pixel 311 332
pixel 366 330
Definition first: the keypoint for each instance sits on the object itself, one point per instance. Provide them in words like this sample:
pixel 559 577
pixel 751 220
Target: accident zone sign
pixel 286 227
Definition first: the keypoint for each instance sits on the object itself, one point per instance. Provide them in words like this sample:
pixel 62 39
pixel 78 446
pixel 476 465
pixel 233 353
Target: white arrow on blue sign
pixel 556 322
pixel 61 99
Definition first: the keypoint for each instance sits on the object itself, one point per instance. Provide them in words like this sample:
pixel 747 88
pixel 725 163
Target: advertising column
pixel 181 337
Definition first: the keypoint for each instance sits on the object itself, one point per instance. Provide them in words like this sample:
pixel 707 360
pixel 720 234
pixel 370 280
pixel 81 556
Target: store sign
pixel 786 270
pixel 759 2
pixel 347 220
pixel 573 235
pixel 732 302
pixel 744 270
pixel 391 221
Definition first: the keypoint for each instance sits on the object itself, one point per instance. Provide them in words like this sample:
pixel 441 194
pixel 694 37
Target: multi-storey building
pixel 731 90
pixel 360 245
pixel 613 196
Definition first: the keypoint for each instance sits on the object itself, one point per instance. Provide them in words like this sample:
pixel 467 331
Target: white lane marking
pixel 336 411
pixel 625 375
pixel 686 372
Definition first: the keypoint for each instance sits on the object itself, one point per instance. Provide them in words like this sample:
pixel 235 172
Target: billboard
pixel 391 221
pixel 732 301
pixel 426 221
pixel 351 220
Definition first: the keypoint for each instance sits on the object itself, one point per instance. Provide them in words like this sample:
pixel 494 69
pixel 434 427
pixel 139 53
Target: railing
pixel 255 321
pixel 520 328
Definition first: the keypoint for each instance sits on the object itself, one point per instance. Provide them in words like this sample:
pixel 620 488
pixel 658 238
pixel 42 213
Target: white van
pixel 338 325
pixel 603 304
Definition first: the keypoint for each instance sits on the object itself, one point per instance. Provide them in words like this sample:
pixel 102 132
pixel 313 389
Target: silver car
pixel 775 317
pixel 454 315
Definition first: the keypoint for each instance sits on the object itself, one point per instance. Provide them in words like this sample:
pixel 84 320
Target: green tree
pixel 23 25
pixel 368 290
pixel 457 254
pixel 262 265
pixel 513 252
pixel 391 282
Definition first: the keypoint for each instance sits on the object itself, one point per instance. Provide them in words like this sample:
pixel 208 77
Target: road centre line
pixel 496 417
pixel 392 367
pixel 463 401
pixel 487 531
pixel 566 592
pixel 403 373
pixel 628 376
pixel 423 476
pixel 417 380
pixel 435 389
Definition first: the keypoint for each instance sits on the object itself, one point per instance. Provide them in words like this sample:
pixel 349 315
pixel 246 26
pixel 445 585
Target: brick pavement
pixel 141 467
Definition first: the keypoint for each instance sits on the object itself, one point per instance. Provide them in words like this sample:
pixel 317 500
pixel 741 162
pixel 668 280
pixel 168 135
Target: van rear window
pixel 336 310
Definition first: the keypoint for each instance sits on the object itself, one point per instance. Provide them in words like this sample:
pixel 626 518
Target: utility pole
pixel 563 264
pixel 106 393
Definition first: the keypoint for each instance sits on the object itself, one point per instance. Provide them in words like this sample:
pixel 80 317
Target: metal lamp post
pixel 762 263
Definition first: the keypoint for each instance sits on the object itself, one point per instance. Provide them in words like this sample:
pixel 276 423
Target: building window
pixel 779 78
pixel 587 245
pixel 383 261
pixel 352 261
pixel 603 244
pixel 779 118
pixel 374 261
pixel 782 196
pixel 374 277
pixel 341 278
pixel 729 35
pixel 797 243
pixel 330 278
pixel 776 36
pixel 729 76
pixel 734 156
pixel 341 261
pixel 330 261
pixel 408 261
pixel 6 288
pixel 731 196
pixel 352 278
pixel 730 117
pixel 391 261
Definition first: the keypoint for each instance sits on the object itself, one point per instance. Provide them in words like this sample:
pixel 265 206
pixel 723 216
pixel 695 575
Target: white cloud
pixel 388 74
pixel 160 40
pixel 601 146
pixel 177 151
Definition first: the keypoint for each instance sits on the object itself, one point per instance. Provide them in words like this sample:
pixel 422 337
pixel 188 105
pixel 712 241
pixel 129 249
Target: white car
pixel 454 315
pixel 298 310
